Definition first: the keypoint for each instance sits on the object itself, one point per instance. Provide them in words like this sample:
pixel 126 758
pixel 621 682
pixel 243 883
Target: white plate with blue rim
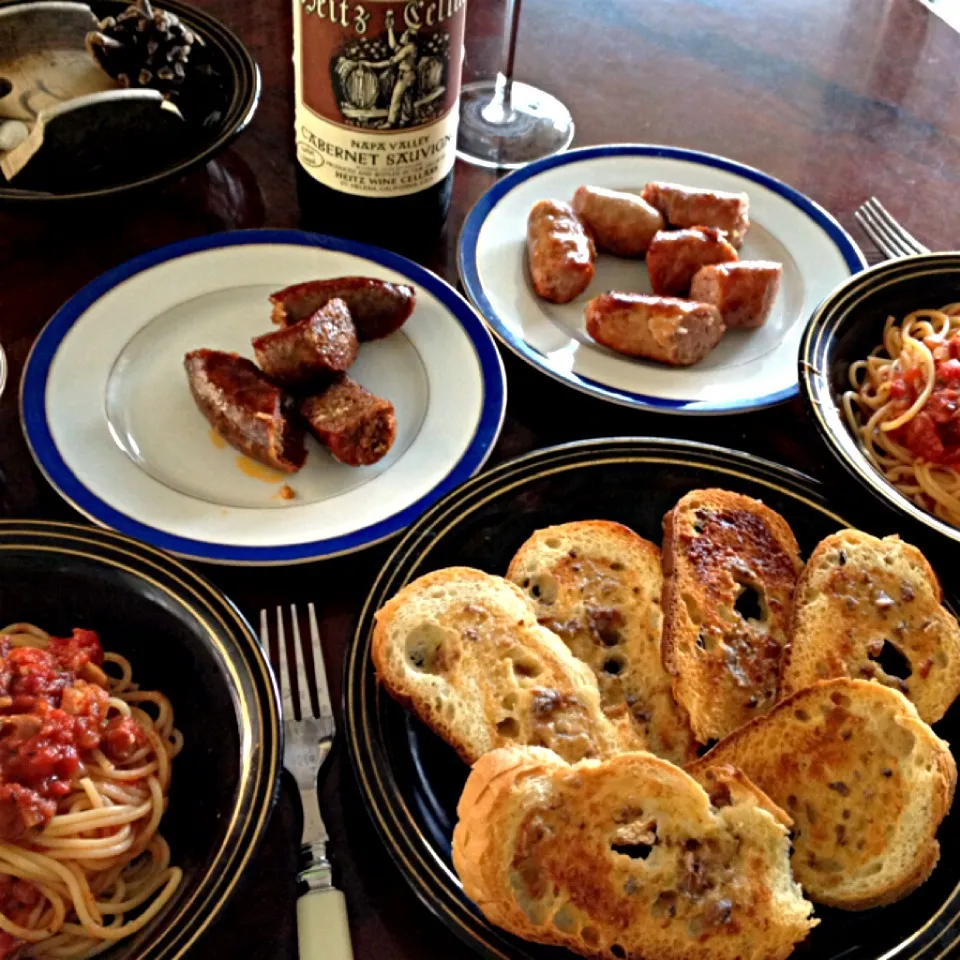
pixel 110 420
pixel 749 369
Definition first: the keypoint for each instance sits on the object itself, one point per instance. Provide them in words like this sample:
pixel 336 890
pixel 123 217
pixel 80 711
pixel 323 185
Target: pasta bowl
pixel 846 327
pixel 185 640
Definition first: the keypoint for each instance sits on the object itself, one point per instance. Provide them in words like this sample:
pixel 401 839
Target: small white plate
pixel 109 417
pixel 748 370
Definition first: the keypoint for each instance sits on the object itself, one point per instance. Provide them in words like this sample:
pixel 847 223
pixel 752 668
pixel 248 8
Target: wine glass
pixel 505 124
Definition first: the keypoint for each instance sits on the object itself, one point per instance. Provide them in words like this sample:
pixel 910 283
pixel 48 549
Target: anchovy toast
pixel 730 566
pixel 464 651
pixel 865 780
pixel 872 609
pixel 626 857
pixel 597 585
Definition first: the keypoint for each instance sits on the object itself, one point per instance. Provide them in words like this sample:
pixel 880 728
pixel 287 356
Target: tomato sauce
pixel 51 718
pixel 933 435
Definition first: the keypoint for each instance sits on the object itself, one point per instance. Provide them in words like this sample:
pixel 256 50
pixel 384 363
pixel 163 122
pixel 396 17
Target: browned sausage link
pixel 677 332
pixel 377 306
pixel 674 256
pixel 317 347
pixel 245 408
pixel 620 223
pixel 357 426
pixel 743 292
pixel 560 253
pixel 691 207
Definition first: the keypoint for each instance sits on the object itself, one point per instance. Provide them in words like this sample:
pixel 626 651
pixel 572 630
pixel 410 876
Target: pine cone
pixel 145 47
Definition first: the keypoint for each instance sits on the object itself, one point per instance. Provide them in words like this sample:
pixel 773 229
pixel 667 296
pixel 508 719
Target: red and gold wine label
pixel 377 88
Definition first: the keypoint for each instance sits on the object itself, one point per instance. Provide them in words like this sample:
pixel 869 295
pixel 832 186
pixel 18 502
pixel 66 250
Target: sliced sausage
pixel 317 347
pixel 355 425
pixel 691 207
pixel 246 409
pixel 620 223
pixel 560 253
pixel 674 256
pixel 678 332
pixel 377 307
pixel 743 292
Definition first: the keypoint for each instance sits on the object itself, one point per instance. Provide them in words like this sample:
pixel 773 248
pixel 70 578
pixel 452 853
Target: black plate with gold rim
pixel 182 637
pixel 228 105
pixel 411 780
pixel 848 326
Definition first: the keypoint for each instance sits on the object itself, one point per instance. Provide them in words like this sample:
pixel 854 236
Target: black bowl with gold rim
pixel 184 638
pixel 76 169
pixel 411 780
pixel 846 327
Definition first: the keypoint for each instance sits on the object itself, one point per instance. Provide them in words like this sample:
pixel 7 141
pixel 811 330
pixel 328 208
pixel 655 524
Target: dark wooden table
pixel 840 98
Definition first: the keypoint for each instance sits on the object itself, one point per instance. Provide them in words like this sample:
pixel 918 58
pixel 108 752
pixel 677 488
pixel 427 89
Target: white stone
pixel 12 134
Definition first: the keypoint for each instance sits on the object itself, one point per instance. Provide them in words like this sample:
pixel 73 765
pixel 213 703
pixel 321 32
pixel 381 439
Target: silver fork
pixel 885 233
pixel 322 928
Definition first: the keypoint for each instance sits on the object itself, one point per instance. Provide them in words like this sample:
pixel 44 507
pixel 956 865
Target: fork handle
pixel 322 927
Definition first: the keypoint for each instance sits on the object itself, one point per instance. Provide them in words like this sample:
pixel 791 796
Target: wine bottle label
pixel 377 89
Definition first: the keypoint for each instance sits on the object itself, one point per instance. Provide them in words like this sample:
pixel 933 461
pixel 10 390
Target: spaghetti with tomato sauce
pixel 84 776
pixel 904 404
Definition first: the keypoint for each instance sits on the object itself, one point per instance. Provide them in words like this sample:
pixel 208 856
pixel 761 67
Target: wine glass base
pixel 538 125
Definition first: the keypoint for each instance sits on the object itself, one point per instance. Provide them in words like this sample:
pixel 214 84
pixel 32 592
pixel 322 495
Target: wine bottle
pixel 377 87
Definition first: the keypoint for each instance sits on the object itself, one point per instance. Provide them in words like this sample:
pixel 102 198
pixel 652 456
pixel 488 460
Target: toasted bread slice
pixel 730 566
pixel 625 858
pixel 866 781
pixel 864 607
pixel 464 651
pixel 597 585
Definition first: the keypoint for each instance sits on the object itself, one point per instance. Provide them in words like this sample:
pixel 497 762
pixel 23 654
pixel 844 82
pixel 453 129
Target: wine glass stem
pixel 499 109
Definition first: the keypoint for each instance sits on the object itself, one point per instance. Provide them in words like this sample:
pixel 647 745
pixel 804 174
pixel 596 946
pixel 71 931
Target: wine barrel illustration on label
pixel 377 90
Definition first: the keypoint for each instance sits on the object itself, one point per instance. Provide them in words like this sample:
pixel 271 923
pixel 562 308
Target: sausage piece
pixel 743 292
pixel 355 425
pixel 245 408
pixel 691 207
pixel 674 256
pixel 560 252
pixel 677 332
pixel 620 223
pixel 377 307
pixel 323 344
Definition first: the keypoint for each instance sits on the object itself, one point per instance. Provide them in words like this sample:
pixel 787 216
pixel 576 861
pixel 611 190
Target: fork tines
pixel 303 688
pixel 885 232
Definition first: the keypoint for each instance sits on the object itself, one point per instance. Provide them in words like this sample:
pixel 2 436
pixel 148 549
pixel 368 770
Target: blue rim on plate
pixel 470 275
pixel 40 440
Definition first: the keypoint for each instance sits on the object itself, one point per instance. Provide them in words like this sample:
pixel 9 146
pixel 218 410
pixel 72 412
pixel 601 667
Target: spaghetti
pixel 84 776
pixel 904 404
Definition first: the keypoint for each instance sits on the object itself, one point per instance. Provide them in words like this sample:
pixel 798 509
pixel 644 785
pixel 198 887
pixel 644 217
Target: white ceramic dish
pixel 748 370
pixel 110 420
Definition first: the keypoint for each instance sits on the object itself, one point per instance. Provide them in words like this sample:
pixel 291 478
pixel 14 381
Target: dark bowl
pixel 846 327
pixel 411 780
pixel 229 106
pixel 186 639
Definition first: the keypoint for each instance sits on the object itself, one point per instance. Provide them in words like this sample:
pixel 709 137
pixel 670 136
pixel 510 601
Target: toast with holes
pixel 730 566
pixel 872 609
pixel 659 871
pixel 597 586
pixel 464 651
pixel 865 780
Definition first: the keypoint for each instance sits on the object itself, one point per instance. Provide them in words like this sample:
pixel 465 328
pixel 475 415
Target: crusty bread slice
pixel 597 585
pixel 464 651
pixel 730 565
pixel 864 607
pixel 625 857
pixel 866 781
